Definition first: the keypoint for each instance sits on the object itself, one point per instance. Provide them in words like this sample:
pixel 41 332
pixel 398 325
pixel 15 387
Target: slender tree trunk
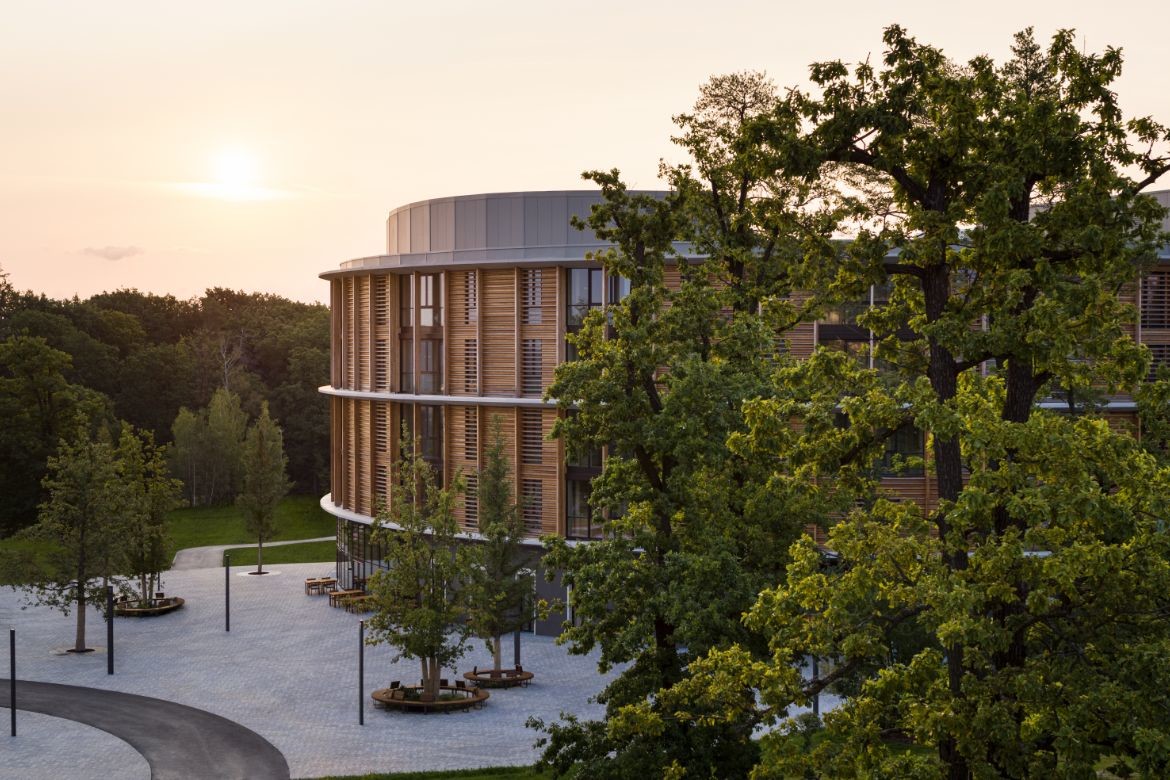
pixel 79 639
pixel 260 556
pixel 497 643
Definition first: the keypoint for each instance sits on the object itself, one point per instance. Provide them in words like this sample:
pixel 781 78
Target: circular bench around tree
pixel 128 607
pixel 410 698
pixel 504 678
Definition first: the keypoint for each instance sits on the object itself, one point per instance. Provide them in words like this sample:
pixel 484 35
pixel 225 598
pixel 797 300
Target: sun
pixel 235 170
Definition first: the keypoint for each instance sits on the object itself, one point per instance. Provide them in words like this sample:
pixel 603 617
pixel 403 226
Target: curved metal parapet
pixel 179 742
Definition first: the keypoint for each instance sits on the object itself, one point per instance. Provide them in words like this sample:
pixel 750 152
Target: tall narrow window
pixel 430 437
pixel 470 298
pixel 531 437
pixel 406 301
pixel 430 366
pixel 531 367
pixel 429 314
pixel 531 295
pixel 584 293
pixel 532 494
pixel 406 366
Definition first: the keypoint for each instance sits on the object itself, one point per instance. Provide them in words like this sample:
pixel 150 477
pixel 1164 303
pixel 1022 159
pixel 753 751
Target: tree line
pixel 164 365
pixel 1017 626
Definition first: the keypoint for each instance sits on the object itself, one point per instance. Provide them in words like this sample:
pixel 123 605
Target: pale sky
pixel 253 144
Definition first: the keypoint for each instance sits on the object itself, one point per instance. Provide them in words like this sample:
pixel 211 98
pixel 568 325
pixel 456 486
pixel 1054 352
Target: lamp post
pixel 109 629
pixel 361 672
pixel 227 591
pixel 12 676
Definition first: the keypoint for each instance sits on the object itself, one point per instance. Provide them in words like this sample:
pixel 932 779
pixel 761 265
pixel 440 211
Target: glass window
pixel 429 314
pixel 430 365
pixel 619 288
pixel 905 443
pixel 406 366
pixel 406 301
pixel 578 514
pixel 430 434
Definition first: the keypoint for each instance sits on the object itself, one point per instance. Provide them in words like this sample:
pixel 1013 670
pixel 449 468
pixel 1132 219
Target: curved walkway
pixel 179 742
pixel 212 557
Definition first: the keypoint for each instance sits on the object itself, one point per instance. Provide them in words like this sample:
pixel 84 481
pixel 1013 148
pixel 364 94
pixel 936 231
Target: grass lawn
pixel 496 773
pixel 297 517
pixel 308 552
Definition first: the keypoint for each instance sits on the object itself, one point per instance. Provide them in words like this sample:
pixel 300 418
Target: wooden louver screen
pixel 1156 300
pixel 363 333
pixel 531 367
pixel 1161 357
pixel 531 437
pixel 471 433
pixel 470 298
pixel 350 340
pixel 532 494
pixel 470 365
pixel 471 502
pixel 531 296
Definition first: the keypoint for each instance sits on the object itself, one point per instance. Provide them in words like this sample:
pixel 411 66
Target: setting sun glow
pixel 235 169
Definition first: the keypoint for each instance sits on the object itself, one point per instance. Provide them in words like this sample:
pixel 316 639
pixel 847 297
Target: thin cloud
pixel 112 252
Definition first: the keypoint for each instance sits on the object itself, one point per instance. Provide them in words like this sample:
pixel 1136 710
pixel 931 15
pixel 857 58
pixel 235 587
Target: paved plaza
pixel 287 670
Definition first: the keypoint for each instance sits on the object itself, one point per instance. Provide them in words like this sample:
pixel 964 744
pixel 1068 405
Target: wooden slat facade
pixel 489 316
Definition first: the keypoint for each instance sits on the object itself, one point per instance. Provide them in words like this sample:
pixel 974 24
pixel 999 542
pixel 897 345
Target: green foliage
pixel 500 589
pixel 265 483
pixel 661 381
pixel 38 406
pixel 297 517
pixel 152 493
pixel 84 519
pixel 153 355
pixel 306 552
pixel 500 773
pixel 208 449
pixel 420 606
pixel 1035 591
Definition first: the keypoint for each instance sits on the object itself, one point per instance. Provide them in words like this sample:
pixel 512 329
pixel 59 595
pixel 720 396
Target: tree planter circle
pixel 506 678
pixel 408 698
pixel 155 607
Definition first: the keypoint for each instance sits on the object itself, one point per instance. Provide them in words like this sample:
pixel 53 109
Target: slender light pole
pixel 109 629
pixel 12 676
pixel 361 672
pixel 227 591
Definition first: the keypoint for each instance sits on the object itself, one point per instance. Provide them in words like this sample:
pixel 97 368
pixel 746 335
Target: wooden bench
pixel 337 597
pixel 319 585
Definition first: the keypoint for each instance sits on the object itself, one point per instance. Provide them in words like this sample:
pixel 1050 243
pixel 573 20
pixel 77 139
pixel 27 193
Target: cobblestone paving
pixel 46 748
pixel 287 670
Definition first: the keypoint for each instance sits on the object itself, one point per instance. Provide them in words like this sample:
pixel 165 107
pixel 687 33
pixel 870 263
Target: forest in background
pixel 141 358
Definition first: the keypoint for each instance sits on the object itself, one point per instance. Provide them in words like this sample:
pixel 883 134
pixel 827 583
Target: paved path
pixel 179 742
pixel 212 557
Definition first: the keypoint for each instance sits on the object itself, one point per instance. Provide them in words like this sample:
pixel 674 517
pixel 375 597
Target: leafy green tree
pixel 38 406
pixel 500 588
pixel 660 382
pixel 208 447
pixel 84 518
pixel 265 482
pixel 419 604
pixel 152 494
pixel 993 196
